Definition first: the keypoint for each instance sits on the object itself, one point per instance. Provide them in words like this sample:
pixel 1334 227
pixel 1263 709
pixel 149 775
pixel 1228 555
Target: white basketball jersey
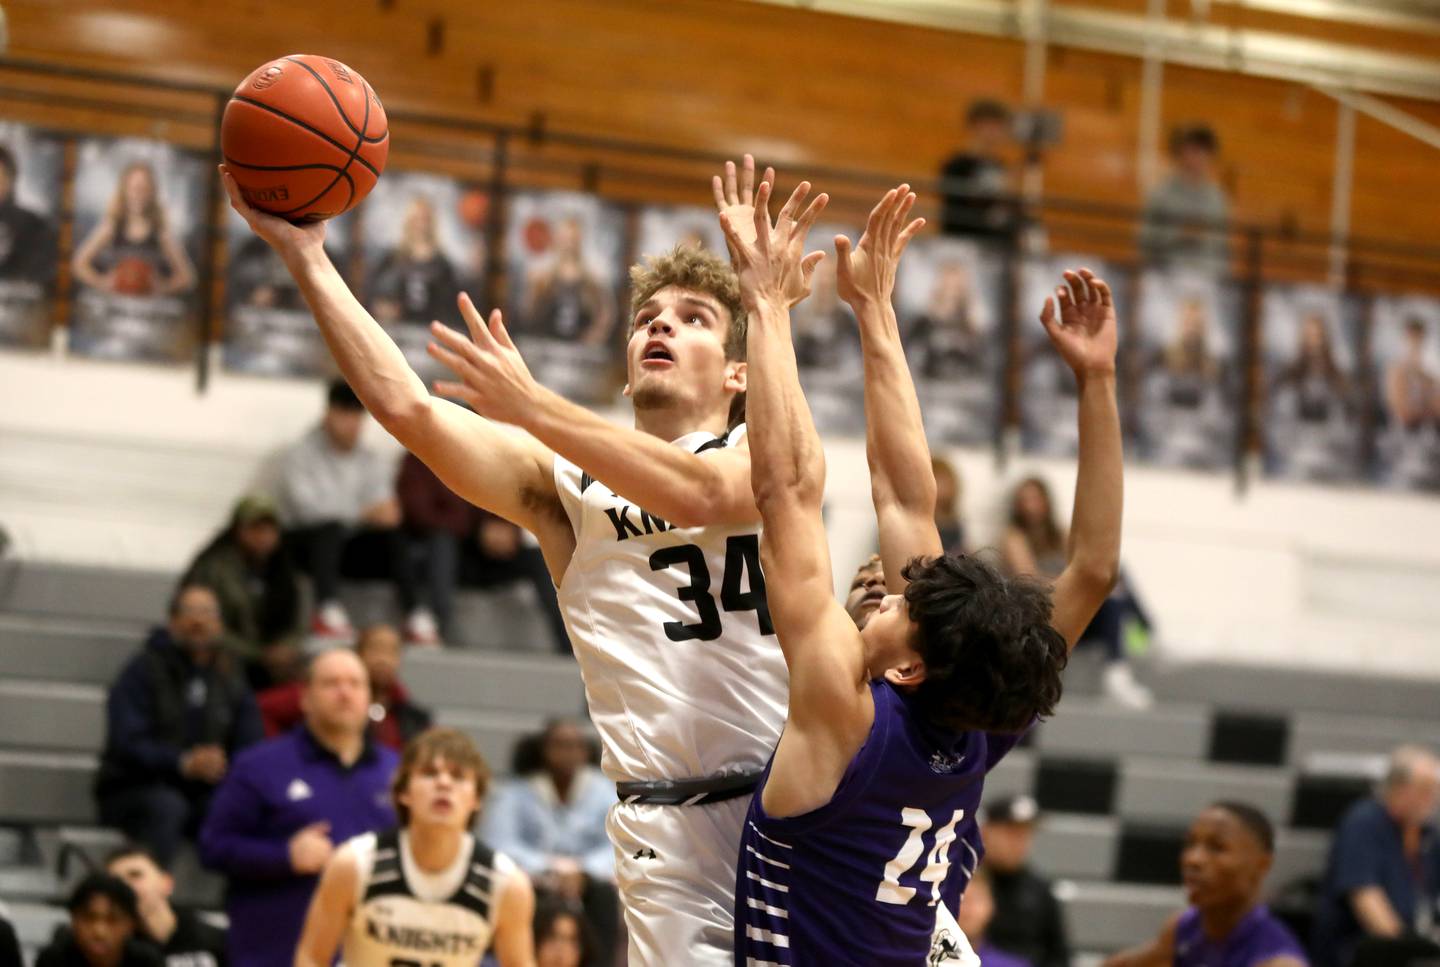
pixel 682 669
pixel 404 915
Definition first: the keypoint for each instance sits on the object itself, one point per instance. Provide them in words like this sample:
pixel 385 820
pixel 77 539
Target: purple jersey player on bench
pixel 1227 853
pixel 849 853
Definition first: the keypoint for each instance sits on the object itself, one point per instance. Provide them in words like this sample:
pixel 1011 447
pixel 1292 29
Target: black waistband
pixel 688 792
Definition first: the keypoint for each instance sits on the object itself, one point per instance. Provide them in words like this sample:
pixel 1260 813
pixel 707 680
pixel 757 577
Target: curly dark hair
pixel 992 658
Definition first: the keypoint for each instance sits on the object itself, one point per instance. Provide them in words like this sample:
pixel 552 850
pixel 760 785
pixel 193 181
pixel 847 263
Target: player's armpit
pixel 330 911
pixel 514 944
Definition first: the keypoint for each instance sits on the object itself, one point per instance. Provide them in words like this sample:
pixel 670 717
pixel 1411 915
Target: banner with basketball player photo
pixel 564 257
pixel 1187 371
pixel 1311 401
pixel 662 227
pixel 269 330
pixel 827 343
pixel 31 165
pixel 948 299
pixel 1405 349
pixel 422 244
pixel 139 225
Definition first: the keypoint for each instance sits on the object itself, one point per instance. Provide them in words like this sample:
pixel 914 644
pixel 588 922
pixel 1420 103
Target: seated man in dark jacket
pixel 175 717
pixel 1029 921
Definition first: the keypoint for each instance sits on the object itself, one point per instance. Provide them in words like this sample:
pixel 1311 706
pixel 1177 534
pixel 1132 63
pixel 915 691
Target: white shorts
pixel 675 867
pixel 949 947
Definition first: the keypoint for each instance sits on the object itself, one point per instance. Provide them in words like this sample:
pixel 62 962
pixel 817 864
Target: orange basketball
pixel 305 137
pixel 134 276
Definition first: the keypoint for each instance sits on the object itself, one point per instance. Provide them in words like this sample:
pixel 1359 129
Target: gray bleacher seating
pixel 1087 727
pixel 52 715
pixel 1111 916
pixel 125 597
pixel 1076 847
pixel 67 651
pixel 1169 791
pixel 1295 689
pixel 46 787
pixel 544 686
pixel 495 733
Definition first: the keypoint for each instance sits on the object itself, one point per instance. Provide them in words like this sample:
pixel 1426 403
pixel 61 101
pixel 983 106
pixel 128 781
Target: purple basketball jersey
pixel 1255 939
pixel 857 880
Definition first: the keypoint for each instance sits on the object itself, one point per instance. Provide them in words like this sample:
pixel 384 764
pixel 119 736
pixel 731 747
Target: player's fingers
pixel 769 177
pixel 877 214
pixel 451 361
pixel 732 239
pixel 718 187
pixel 763 224
pixel 909 232
pixel 897 212
pixel 473 320
pixel 1077 287
pixel 791 209
pixel 842 254
pixel 732 196
pixel 498 330
pixel 454 391
pixel 902 215
pixel 1047 314
pixel 807 220
pixel 1064 299
pixel 1102 288
pixel 747 179
pixel 808 263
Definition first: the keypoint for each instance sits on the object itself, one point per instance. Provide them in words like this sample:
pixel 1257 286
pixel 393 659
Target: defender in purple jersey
pixel 1227 855
pixel 863 834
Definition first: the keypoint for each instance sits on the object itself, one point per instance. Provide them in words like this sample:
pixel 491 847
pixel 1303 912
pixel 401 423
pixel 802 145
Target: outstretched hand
pixel 865 274
pixel 285 237
pixel 772 266
pixel 735 194
pixel 492 377
pixel 1084 331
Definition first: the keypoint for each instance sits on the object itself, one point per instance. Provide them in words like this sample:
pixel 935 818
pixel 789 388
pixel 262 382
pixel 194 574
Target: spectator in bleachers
pixel 394 718
pixel 182 938
pixel 550 820
pixel 1227 854
pixel 258 588
pixel 948 521
pixel 1035 544
pixel 9 942
pixel 337 500
pixel 977 180
pixel 977 912
pixel 175 717
pixel 104 919
pixel 1382 881
pixel 1029 921
pixel 562 937
pixel 1185 217
pixel 288 801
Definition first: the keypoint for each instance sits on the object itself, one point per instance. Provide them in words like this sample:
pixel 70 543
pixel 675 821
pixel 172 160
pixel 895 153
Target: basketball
pixel 305 137
pixel 134 276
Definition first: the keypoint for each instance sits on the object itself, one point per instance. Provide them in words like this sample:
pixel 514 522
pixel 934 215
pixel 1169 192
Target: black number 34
pixel 742 559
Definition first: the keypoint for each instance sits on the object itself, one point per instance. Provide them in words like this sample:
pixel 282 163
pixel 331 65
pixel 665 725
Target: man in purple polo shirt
pixel 285 804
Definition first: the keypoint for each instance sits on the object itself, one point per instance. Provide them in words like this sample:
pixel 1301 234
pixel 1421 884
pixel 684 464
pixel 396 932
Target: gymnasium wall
pixel 128 465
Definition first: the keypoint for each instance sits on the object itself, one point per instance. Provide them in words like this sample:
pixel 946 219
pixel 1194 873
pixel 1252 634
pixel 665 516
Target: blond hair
pixel 687 267
pixel 455 747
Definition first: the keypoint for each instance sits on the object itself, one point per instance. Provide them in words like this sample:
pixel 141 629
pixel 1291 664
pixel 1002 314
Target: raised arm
pixel 685 489
pixel 492 467
pixel 902 484
pixel 830 713
pixel 1084 333
pixel 329 912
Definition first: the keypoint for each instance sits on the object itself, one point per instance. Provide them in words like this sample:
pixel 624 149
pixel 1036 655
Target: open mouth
pixel 657 353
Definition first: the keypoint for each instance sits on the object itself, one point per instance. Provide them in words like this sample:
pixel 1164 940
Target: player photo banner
pixel 1311 399
pixel 564 256
pixel 139 224
pixel 948 299
pixel 1405 348
pixel 423 243
pixel 662 228
pixel 31 164
pixel 269 330
pixel 827 344
pixel 1187 368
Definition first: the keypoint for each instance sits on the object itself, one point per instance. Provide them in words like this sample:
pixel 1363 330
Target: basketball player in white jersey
pixel 651 535
pixel 428 894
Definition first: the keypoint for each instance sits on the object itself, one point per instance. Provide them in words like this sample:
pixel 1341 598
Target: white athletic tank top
pixel 404 915
pixel 683 672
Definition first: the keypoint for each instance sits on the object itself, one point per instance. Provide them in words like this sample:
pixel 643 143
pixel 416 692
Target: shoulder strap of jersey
pixel 570 484
pixel 477 891
pixel 387 873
